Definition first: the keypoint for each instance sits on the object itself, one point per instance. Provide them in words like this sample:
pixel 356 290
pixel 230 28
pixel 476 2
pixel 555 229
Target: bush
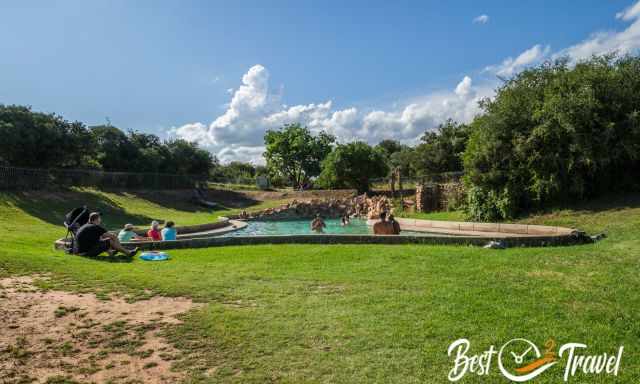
pixel 553 134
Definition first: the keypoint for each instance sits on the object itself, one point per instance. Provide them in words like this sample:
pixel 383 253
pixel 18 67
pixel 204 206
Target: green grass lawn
pixel 356 313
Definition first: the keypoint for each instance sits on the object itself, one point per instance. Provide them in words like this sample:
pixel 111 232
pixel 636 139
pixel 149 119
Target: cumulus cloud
pixel 238 133
pixel 482 19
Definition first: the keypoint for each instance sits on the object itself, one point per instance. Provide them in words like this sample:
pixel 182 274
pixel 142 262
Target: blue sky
pixel 363 70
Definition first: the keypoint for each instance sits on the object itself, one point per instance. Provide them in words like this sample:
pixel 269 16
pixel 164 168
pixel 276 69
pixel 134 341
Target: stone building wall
pixel 438 197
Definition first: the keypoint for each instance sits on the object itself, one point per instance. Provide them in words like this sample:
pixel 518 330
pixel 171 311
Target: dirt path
pixel 54 334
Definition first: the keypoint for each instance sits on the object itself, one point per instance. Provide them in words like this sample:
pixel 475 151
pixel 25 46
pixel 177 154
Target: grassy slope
pixel 354 313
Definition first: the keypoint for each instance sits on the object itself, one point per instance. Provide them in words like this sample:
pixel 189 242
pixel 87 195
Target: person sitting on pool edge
pixel 317 225
pixel 128 234
pixel 153 233
pixel 395 226
pixel 169 232
pixel 383 227
pixel 92 239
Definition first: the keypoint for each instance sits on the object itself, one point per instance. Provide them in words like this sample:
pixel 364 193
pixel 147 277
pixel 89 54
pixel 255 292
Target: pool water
pixel 303 227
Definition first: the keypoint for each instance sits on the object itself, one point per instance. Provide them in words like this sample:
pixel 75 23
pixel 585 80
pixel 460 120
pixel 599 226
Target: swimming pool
pixel 302 227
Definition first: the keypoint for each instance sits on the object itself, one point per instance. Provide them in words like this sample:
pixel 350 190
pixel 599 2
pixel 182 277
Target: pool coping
pixel 436 233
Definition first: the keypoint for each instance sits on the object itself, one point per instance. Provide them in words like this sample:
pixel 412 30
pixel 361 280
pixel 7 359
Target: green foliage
pixel 403 159
pixel 294 153
pixel 237 172
pixel 441 150
pixel 34 139
pixel 555 133
pixel 352 166
pixel 389 147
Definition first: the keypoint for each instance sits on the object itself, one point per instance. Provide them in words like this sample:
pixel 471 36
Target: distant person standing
pixel 318 225
pixel 345 220
pixel 169 231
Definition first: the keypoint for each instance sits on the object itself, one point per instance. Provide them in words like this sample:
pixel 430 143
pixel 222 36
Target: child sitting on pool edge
pixel 128 234
pixel 169 232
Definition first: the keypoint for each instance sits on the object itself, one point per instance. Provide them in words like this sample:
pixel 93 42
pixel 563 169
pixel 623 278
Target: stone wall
pixel 438 197
pixel 360 206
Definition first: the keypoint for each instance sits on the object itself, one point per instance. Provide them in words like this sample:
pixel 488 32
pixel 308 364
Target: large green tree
pixel 294 153
pixel 441 150
pixel 353 165
pixel 555 133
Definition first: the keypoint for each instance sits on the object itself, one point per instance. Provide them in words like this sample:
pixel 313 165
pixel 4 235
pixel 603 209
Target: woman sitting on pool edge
pixel 154 233
pixel 169 232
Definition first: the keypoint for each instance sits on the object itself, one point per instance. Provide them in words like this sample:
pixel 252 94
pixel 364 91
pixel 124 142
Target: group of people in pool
pixel 386 226
pixel 92 239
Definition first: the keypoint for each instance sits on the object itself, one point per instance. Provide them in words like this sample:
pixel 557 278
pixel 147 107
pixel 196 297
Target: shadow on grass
pixel 109 259
pixel 606 203
pixel 181 200
pixel 52 207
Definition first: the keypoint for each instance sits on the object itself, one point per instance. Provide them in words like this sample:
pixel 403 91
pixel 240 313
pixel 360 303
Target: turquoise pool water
pixel 302 227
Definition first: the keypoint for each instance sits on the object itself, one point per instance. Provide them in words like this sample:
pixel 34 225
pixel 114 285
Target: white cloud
pixel 238 133
pixel 482 19
pixel 511 66
pixel 630 13
pixel 623 42
pixel 599 43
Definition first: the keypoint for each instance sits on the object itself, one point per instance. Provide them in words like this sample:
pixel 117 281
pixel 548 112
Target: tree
pixel 188 159
pixel 389 147
pixel 352 166
pixel 34 139
pixel 114 150
pixel 235 171
pixel 403 160
pixel 293 152
pixel 555 133
pixel 441 150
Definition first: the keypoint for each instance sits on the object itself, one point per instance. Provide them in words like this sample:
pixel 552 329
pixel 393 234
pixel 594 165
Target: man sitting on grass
pixel 92 239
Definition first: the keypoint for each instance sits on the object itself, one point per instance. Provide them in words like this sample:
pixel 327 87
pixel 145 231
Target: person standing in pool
pixel 318 225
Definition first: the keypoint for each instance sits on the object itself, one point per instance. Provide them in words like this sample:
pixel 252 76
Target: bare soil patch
pixel 53 336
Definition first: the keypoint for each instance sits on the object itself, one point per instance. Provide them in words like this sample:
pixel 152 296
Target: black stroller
pixel 72 222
